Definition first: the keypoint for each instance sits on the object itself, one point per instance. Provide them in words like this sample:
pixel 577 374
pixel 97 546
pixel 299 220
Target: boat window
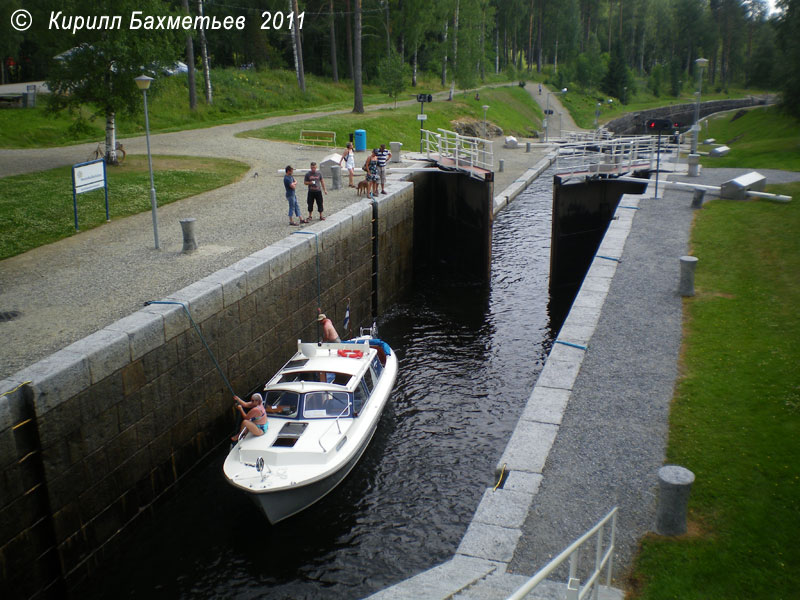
pixel 369 381
pixel 377 367
pixel 315 376
pixel 284 400
pixel 360 397
pixel 326 404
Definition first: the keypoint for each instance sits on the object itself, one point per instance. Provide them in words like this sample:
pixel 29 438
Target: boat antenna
pixel 202 339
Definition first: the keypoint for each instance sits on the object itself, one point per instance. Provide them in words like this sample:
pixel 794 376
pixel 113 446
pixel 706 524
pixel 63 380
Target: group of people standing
pixel 374 167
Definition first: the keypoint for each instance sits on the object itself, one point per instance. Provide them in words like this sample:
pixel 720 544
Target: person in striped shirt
pixel 383 157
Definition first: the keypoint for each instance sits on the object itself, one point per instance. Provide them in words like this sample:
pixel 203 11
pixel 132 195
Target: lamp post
pixel 597 115
pixel 700 63
pixel 485 108
pixel 143 83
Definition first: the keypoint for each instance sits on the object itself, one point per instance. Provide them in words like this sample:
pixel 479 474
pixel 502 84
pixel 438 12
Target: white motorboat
pixel 327 401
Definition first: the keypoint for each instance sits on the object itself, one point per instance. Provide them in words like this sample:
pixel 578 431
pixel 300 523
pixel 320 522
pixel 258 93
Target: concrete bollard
pixel 697 199
pixel 694 165
pixel 674 486
pixel 502 165
pixel 527 146
pixel 336 177
pixel 394 148
pixel 686 286
pixel 189 242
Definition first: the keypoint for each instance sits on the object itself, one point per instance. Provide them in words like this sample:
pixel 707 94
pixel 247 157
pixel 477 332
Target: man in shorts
pixel 316 185
pixel 383 157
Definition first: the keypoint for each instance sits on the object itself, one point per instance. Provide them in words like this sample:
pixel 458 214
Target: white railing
pixel 598 157
pixel 344 412
pixel 464 150
pixel 603 559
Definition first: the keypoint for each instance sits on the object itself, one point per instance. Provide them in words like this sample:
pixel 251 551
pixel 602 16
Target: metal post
pixel 422 112
pixel 700 63
pixel 153 203
pixel 546 116
pixel 485 108
pixel 686 284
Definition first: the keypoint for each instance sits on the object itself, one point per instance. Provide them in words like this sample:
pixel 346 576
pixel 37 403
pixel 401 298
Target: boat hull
pixel 282 504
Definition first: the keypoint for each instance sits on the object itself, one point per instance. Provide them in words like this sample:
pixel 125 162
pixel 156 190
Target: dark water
pixel 469 356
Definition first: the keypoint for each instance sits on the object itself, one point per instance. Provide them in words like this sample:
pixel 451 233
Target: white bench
pixel 719 151
pixel 736 189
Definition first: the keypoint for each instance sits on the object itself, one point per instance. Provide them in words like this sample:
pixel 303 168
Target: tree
pixel 789 44
pixel 99 72
pixel 190 60
pixel 391 75
pixel 358 92
pixel 204 56
pixel 10 41
pixel 297 45
pixel 617 78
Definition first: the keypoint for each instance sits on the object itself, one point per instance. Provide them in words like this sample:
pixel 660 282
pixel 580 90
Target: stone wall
pixel 683 114
pixel 94 434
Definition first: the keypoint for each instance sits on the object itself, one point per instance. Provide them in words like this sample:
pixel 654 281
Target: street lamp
pixel 547 112
pixel 700 63
pixel 143 83
pixel 485 108
pixel 597 115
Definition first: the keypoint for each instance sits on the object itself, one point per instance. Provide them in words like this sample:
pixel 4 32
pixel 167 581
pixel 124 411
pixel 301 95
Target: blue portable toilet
pixel 361 140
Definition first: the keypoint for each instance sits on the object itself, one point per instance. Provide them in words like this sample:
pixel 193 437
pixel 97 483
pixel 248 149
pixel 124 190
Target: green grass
pixel 762 138
pixel 37 208
pixel 512 108
pixel 238 95
pixel 735 419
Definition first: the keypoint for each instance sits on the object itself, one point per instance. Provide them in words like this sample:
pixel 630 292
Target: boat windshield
pixel 284 400
pixel 317 376
pixel 318 405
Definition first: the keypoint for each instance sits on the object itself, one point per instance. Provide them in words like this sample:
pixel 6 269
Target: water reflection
pixel 469 356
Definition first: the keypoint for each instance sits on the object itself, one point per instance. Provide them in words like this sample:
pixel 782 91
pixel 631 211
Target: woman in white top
pixel 349 160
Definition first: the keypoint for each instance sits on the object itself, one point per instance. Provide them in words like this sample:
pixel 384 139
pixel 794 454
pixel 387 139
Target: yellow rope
pixel 502 472
pixel 15 389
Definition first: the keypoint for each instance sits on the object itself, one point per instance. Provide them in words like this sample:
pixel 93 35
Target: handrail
pixel 335 422
pixel 574 593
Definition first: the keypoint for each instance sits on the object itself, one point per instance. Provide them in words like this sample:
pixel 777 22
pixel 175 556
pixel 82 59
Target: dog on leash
pixel 363 188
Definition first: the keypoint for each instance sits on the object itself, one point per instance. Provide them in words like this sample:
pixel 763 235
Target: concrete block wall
pixel 112 421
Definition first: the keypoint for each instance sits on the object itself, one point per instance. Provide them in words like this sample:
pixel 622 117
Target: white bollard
pixel 686 285
pixel 674 486
pixel 502 165
pixel 694 165
pixel 336 177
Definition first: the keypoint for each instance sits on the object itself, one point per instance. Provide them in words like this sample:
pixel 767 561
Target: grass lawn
pixel 238 95
pixel 761 138
pixel 37 208
pixel 512 108
pixel 735 418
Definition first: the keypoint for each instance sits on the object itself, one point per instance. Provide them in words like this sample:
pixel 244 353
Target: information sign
pixel 86 177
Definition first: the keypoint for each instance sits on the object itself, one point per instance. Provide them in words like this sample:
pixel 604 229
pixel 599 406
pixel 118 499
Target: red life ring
pixel 351 353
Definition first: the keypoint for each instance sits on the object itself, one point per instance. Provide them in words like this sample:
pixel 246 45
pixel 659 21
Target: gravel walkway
pixel 71 288
pixel 613 435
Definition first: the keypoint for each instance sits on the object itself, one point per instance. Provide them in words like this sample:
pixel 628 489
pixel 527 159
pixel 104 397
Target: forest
pixel 611 45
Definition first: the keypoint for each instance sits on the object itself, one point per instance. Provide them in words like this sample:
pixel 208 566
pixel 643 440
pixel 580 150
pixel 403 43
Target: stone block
pixel 528 447
pixel 203 299
pixel 13 408
pixel 145 332
pixel 56 378
pixel 575 334
pixel 590 299
pixel 256 270
pixel 133 378
pixel 546 405
pixel 233 282
pixel 459 573
pixel 504 508
pixel 522 481
pixel 559 374
pixel 174 317
pixel 280 260
pixel 490 542
pixel 106 351
pixel 107 393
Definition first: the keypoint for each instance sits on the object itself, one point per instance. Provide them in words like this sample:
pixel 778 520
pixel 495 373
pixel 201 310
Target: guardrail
pixel 601 156
pixel 464 150
pixel 338 426
pixel 602 560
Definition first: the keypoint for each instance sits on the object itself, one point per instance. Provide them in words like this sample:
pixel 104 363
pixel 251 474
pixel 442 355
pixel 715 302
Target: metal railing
pixel 464 150
pixel 344 412
pixel 612 156
pixel 603 559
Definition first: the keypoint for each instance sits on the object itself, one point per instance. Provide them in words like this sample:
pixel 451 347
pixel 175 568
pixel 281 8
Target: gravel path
pixel 71 288
pixel 613 435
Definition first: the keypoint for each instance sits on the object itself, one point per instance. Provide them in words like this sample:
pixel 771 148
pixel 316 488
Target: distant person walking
pixel 316 185
pixel 383 157
pixel 290 183
pixel 349 160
